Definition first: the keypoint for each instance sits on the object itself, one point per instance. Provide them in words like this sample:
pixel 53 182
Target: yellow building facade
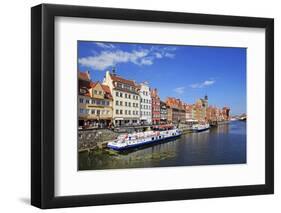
pixel 95 106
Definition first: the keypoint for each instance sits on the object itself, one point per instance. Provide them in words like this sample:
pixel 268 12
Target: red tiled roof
pixel 174 103
pixel 84 76
pixel 122 80
pixel 93 84
pixel 104 88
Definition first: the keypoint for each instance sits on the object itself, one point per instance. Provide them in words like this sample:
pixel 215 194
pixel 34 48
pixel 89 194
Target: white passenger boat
pixel 128 141
pixel 200 127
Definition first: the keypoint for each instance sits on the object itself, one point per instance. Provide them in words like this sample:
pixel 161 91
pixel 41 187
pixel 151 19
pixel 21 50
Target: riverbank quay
pixel 97 138
pixel 91 139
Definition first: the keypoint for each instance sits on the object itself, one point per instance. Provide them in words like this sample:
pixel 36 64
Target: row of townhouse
pixel 126 102
pixel 180 112
pixel 118 101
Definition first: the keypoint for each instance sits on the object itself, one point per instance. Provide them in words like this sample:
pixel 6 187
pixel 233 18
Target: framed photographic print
pixel 139 106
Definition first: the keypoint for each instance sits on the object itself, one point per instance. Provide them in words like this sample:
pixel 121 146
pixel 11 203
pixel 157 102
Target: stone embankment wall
pixel 88 139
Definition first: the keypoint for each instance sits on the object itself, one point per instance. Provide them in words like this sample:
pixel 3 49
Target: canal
pixel 225 144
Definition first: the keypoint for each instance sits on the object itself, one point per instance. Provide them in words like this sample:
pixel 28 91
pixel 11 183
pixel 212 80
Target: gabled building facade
pixel 145 103
pixel 94 104
pixel 126 98
pixel 163 113
pixel 176 111
pixel 155 107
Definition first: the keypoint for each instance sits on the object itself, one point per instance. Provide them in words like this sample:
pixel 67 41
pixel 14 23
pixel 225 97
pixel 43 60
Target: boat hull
pixel 144 144
pixel 201 130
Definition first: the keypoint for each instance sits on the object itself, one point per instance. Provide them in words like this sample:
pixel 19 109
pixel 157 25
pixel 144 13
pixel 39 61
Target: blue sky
pixel 185 72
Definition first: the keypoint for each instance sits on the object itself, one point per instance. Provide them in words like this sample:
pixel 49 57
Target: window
pixel 87 101
pixel 81 100
pixel 98 112
pixel 125 95
pixel 129 104
pixel 81 110
pixel 117 111
pixel 103 102
pixel 117 94
pixel 100 92
pixel 129 112
pixel 133 104
pixel 137 97
pixel 129 96
pixel 117 103
pixel 95 92
pixel 125 112
pixel 93 111
pixel 121 112
pixel 98 102
pixel 137 112
pixel 107 103
pixel 121 103
pixel 93 101
pixel 87 111
pixel 125 103
pixel 121 94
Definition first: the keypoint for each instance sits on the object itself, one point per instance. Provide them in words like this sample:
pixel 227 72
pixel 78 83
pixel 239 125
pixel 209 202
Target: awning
pixel 192 120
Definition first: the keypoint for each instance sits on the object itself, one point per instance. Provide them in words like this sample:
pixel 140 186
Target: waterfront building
pixel 145 103
pixel 84 81
pixel 176 111
pixel 214 114
pixel 163 112
pixel 200 108
pixel 95 106
pixel 225 113
pixel 126 98
pixel 188 112
pixel 155 106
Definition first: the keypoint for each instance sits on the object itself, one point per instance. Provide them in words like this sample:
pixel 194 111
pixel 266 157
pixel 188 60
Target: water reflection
pixel 225 144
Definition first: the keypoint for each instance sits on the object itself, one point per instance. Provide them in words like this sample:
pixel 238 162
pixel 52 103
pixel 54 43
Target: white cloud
pixel 158 55
pixel 105 45
pixel 202 84
pixel 146 61
pixel 169 55
pixel 179 90
pixel 109 58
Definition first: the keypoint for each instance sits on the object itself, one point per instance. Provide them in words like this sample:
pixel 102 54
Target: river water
pixel 225 144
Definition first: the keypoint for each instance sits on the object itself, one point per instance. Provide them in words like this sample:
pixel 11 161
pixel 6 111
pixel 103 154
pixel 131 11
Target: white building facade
pixel 145 104
pixel 126 100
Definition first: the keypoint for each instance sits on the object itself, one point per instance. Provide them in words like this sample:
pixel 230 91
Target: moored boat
pixel 129 141
pixel 200 127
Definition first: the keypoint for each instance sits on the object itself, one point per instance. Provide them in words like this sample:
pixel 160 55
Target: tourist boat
pixel 200 127
pixel 134 140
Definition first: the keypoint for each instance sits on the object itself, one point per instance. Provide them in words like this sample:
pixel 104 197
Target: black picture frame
pixel 43 105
